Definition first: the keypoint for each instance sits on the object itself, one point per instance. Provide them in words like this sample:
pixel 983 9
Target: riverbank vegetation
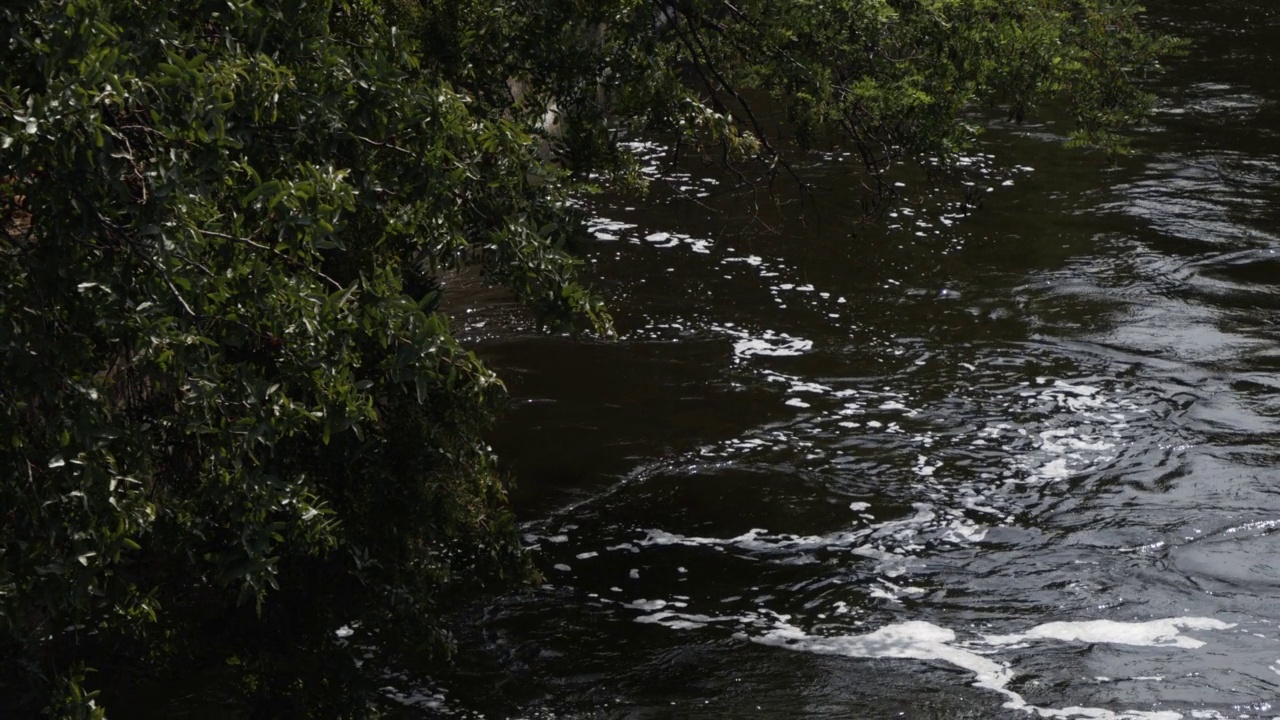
pixel 234 421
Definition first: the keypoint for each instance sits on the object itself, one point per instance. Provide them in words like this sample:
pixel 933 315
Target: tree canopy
pixel 234 418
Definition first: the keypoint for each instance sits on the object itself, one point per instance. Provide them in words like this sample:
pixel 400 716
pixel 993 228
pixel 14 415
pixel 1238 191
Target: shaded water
pixel 1015 463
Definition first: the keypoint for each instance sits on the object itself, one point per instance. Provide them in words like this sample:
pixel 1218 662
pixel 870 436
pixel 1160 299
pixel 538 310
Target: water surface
pixel 1018 462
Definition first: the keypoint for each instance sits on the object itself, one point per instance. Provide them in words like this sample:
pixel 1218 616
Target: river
pixel 1017 462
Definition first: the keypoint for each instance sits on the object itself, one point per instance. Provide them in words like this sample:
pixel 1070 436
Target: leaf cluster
pixel 226 375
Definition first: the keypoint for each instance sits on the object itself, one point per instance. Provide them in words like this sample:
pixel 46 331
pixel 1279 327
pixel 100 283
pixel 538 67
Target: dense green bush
pixel 232 417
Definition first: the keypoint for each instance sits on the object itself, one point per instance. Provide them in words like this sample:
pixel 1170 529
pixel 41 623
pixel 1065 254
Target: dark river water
pixel 1018 462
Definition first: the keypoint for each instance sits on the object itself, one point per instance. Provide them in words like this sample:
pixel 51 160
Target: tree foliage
pixel 233 416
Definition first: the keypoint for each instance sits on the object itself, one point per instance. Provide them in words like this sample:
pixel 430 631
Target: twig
pixel 294 262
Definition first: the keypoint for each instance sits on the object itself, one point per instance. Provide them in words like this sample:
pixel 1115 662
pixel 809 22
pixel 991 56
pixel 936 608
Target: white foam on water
pixel 894 593
pixel 768 343
pixel 1085 427
pixel 609 226
pixel 893 544
pixel 1249 527
pixel 1076 426
pixel 1153 633
pixel 680 621
pixel 924 641
pixel 758 540
pixel 809 387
